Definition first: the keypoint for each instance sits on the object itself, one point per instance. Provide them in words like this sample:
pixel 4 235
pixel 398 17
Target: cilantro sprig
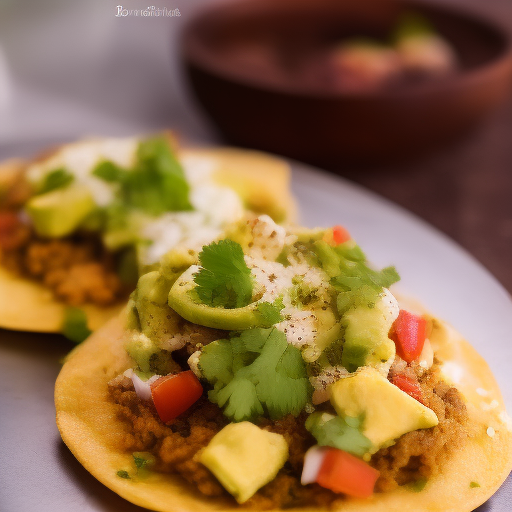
pixel 157 182
pixel 356 283
pixel 224 279
pixel 58 178
pixel 257 373
pixel 342 433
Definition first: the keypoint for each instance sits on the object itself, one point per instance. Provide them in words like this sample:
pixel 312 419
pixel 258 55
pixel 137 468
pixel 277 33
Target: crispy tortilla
pixel 89 426
pixel 262 181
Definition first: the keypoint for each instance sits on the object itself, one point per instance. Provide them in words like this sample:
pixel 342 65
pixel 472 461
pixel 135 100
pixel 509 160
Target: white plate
pixel 38 473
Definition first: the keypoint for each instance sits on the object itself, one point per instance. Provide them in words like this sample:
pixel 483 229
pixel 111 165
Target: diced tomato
pixel 409 333
pixel 408 385
pixel 342 472
pixel 340 235
pixel 174 394
pixel 9 223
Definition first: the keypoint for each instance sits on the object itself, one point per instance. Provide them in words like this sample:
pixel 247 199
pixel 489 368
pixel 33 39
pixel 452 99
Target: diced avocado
pixel 307 235
pixel 366 337
pixel 60 212
pixel 141 349
pixel 182 301
pixel 244 458
pixel 157 320
pixel 116 239
pixel 176 261
pixel 75 326
pixel 149 358
pixel 388 411
pixel 132 315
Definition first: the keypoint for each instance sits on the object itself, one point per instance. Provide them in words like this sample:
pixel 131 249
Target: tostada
pixel 78 224
pixel 277 370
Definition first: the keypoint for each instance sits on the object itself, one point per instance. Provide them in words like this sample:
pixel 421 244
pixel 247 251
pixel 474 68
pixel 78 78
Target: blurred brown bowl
pixel 236 56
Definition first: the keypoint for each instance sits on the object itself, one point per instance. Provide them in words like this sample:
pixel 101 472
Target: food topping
pixel 342 472
pixel 409 385
pixel 409 334
pixel 338 432
pixel 174 394
pixel 75 325
pixel 244 458
pixel 255 374
pixel 388 411
pixel 224 279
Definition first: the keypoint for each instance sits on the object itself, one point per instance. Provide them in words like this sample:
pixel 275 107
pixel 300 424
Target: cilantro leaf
pixel 257 373
pixel 338 432
pixel 57 178
pixel 225 279
pixel 110 172
pixel 157 182
pixel 356 283
pixel 271 311
pixel 75 326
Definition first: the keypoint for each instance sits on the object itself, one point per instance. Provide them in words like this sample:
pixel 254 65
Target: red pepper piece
pixel 409 333
pixel 174 394
pixel 342 472
pixel 340 235
pixel 408 385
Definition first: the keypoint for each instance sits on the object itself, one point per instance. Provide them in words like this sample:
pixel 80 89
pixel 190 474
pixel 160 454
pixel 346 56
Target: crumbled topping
pixel 193 363
pixel 268 238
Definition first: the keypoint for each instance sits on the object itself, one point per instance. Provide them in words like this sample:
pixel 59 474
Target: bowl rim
pixel 196 54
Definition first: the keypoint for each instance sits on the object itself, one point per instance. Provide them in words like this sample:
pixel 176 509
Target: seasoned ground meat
pixel 422 453
pixel 176 443
pixel 419 454
pixel 77 269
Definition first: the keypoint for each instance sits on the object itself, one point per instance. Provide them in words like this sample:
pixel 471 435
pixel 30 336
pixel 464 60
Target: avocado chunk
pixel 59 212
pixel 141 349
pixel 244 458
pixel 182 300
pixel 157 321
pixel 366 336
pixel 388 411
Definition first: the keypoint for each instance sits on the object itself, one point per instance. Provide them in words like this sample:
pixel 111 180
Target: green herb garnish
pixel 271 311
pixel 257 373
pixel 156 184
pixel 75 325
pixel 123 474
pixel 356 283
pixel 342 433
pixel 224 279
pixel 472 485
pixel 418 485
pixel 55 179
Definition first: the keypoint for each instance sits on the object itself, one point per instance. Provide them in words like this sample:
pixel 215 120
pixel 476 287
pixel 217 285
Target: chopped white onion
pixel 143 388
pixel 427 355
pixel 313 460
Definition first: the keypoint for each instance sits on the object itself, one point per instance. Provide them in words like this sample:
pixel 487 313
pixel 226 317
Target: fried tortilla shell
pixel 90 428
pixel 262 181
